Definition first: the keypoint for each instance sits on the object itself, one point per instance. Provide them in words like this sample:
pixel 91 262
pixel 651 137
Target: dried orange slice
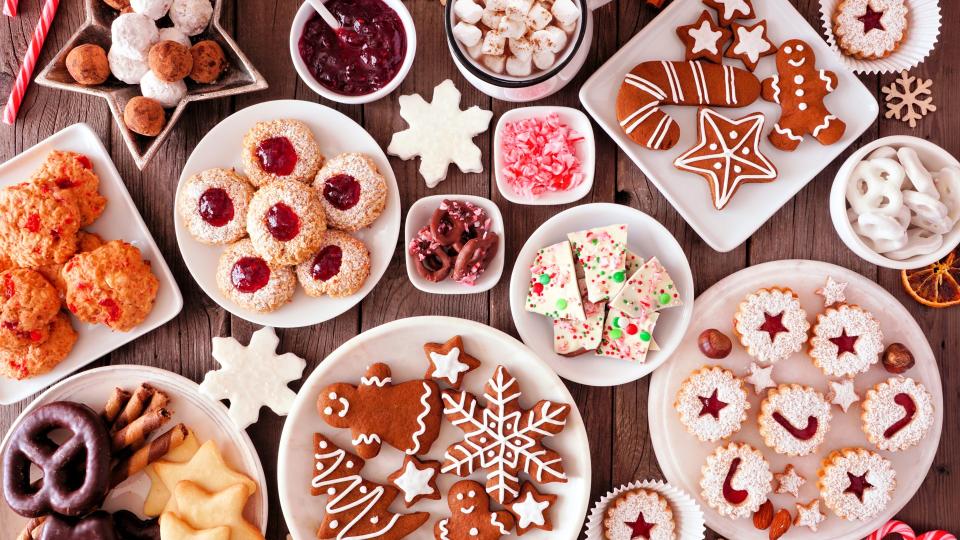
pixel 937 285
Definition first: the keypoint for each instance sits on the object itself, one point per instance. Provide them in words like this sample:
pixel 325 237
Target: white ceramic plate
pixel 647 238
pixel 400 345
pixel 420 214
pixel 120 221
pixel 208 419
pixel 680 454
pixel 335 133
pixel 753 204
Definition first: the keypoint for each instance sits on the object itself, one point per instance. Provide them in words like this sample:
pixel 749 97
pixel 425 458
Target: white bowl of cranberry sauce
pixel 365 60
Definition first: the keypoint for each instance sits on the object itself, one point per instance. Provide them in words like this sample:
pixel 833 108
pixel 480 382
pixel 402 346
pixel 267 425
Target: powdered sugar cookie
pixel 794 419
pixel 897 413
pixel 856 483
pixel 846 341
pixel 339 268
pixel 712 403
pixel 870 29
pixel 639 513
pixel 352 191
pixel 286 222
pixel 251 282
pixel 280 150
pixel 736 480
pixel 771 324
pixel 704 39
pixel 213 205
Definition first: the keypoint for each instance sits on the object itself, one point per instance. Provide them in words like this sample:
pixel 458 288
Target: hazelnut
pixel 714 344
pixel 209 61
pixel 170 61
pixel 88 64
pixel 897 358
pixel 144 116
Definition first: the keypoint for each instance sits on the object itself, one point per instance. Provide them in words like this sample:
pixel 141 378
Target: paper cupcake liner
pixel 686 512
pixel 923 31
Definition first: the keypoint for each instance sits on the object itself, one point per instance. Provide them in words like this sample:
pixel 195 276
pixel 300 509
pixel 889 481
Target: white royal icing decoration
pixel 424 400
pixel 337 502
pixel 414 482
pixel 705 38
pixel 448 366
pixel 530 511
pixel 375 381
pixel 732 7
pixel 752 43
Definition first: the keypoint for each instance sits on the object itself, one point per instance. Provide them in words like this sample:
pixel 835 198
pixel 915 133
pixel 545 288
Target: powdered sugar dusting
pixel 753 476
pixel 751 316
pixel 797 404
pixel 629 506
pixel 809 515
pixel 856 322
pixel 856 461
pixel 880 411
pixel 702 383
pixel 789 481
pixel 873 43
pixel 237 188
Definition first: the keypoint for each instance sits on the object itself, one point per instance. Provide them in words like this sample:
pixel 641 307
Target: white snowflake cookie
pixel 794 419
pixel 897 414
pixel 712 403
pixel 736 480
pixel 771 324
pixel 856 483
pixel 846 341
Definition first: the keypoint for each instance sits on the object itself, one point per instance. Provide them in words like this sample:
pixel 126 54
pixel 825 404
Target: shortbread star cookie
pixel 202 509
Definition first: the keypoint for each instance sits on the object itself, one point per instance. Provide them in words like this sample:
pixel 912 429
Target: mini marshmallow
pixel 519 68
pixel 172 34
pixel 167 94
pixel 128 70
pixel 191 16
pixel 468 11
pixel 544 59
pixel 155 9
pixel 133 34
pixel 494 43
pixel 495 64
pixel 551 39
pixel 467 34
pixel 522 48
pixel 568 28
pixel 496 5
pixel 491 19
pixel 512 28
pixel 518 9
pixel 476 51
pixel 566 12
pixel 538 17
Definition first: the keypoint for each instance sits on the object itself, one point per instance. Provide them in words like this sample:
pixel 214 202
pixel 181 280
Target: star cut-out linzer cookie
pixel 449 362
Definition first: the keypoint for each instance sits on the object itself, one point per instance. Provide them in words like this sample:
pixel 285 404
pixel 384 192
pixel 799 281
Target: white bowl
pixel 933 157
pixel 586 151
pixel 419 215
pixel 296 30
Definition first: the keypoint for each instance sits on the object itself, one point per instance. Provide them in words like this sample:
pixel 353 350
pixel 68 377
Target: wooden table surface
pixel 616 418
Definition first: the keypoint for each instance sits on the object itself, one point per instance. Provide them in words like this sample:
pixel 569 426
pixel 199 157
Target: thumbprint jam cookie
pixel 639 513
pixel 28 303
pixel 38 359
pixel 286 222
pixel 897 414
pixel 856 483
pixel 794 419
pixel 771 324
pixel 339 268
pixel 280 150
pixel 352 191
pixel 213 205
pixel 846 341
pixel 72 175
pixel 251 282
pixel 712 403
pixel 37 226
pixel 736 480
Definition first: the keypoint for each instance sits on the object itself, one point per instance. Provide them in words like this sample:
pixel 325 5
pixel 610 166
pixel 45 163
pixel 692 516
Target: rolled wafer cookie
pixel 137 431
pixel 652 84
pixel 113 408
pixel 134 407
pixel 155 450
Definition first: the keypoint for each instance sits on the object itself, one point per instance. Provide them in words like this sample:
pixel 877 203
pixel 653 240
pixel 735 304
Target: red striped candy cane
pixel 893 526
pixel 937 535
pixel 30 61
pixel 10 8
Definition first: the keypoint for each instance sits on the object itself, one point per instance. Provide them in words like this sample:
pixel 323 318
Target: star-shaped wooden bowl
pixel 239 78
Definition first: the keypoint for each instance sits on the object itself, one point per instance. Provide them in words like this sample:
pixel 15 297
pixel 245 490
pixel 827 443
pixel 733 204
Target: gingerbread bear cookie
pixel 800 88
pixel 471 515
pixel 406 416
pixel 703 39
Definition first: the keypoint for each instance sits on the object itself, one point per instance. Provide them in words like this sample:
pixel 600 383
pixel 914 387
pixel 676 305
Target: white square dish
pixel 753 204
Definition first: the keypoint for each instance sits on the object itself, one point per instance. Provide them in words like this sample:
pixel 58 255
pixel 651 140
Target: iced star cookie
pixel 771 324
pixel 703 39
pixel 39 359
pixel 602 253
pixel 572 337
pixel 846 341
pixel 553 284
pixel 870 29
pixel 286 222
pixel 731 10
pixel 339 268
pixel 416 480
pixel 649 289
pixel 712 403
pixel 28 304
pixel 626 337
pixel 897 414
pixel 750 44
pixel 794 419
pixel 280 150
pixel 72 175
pixel 37 226
pixel 736 480
pixel 532 509
pixel 449 362
pixel 352 191
pixel 639 513
pixel 213 206
pixel 856 483
pixel 251 282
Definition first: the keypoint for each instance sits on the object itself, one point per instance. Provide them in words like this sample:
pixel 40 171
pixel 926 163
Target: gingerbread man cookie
pixel 800 88
pixel 703 39
pixel 472 518
pixel 406 415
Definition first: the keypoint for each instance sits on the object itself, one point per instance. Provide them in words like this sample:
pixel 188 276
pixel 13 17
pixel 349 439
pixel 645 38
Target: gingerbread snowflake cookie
pixel 704 39
pixel 870 29
pixel 794 419
pixel 856 483
pixel 712 403
pixel 846 341
pixel 471 516
pixel 736 480
pixel 639 513
pixel 449 362
pixel 771 324
pixel 897 413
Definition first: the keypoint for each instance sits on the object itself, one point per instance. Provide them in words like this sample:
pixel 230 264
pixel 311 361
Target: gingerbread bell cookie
pixel 449 362
pixel 471 515
pixel 703 39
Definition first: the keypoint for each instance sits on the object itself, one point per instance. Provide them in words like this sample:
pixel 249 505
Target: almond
pixel 781 524
pixel 763 517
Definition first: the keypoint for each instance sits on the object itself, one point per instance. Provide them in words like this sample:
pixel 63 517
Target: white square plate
pixel 120 221
pixel 753 204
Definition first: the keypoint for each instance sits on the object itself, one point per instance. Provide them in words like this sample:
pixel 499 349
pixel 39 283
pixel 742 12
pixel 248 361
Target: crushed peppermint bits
pixel 539 156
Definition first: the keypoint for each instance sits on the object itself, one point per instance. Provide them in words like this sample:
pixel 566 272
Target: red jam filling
pixel 711 405
pixel 871 20
pixel 858 484
pixel 909 411
pixel 364 56
pixel 773 325
pixel 733 496
pixel 65 183
pixel 277 156
pixel 282 222
pixel 215 207
pixel 640 528
pixel 33 223
pixel 342 191
pixel 112 308
pixel 845 343
pixel 327 263
pixel 9 287
pixel 250 274
pixel 804 434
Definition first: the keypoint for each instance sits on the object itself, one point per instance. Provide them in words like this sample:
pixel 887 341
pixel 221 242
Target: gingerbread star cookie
pixel 731 10
pixel 449 362
pixel 417 480
pixel 750 44
pixel 174 528
pixel 703 39
pixel 471 515
pixel 531 508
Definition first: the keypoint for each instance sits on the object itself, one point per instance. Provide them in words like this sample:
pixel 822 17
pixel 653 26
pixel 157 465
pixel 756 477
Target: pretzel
pixel 96 526
pixel 918 174
pixel 873 182
pixel 878 226
pixel 919 242
pixel 948 185
pixel 446 228
pixel 928 212
pixel 476 253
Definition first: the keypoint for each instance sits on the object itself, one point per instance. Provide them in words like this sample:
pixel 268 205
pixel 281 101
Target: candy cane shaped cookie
pixel 652 84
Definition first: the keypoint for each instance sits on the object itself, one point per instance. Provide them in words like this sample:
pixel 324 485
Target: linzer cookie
pixel 712 403
pixel 649 289
pixel 794 419
pixel 870 29
pixel 703 39
pixel 626 337
pixel 553 284
pixel 736 480
pixel 856 483
pixel 572 337
pixel 771 324
pixel 897 414
pixel 639 513
pixel 602 253
pixel 846 341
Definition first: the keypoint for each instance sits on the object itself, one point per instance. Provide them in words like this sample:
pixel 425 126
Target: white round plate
pixel 680 454
pixel 400 345
pixel 206 418
pixel 647 238
pixel 335 133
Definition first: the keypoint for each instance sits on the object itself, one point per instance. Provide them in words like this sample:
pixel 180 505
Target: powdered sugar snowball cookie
pixel 132 35
pixel 352 191
pixel 712 403
pixel 286 222
pixel 736 480
pixel 897 414
pixel 251 282
pixel 870 29
pixel 794 419
pixel 174 34
pixel 213 205
pixel 191 16
pixel 167 94
pixel 339 268
pixel 155 9
pixel 771 324
pixel 856 483
pixel 639 513
pixel 846 341
pixel 128 69
pixel 280 150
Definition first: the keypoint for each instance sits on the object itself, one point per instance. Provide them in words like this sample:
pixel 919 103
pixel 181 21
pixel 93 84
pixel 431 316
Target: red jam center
pixel 845 343
pixel 282 222
pixel 909 411
pixel 250 274
pixel 113 310
pixel 342 191
pixel 9 287
pixel 858 484
pixel 804 434
pixel 327 263
pixel 871 20
pixel 216 207
pixel 277 156
pixel 364 56
pixel 640 528
pixel 711 405
pixel 733 496
pixel 773 325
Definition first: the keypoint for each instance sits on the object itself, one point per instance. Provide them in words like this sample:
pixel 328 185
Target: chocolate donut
pixel 96 526
pixel 130 527
pixel 76 473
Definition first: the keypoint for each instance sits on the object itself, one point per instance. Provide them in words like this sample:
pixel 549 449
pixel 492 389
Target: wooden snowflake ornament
pixel 906 101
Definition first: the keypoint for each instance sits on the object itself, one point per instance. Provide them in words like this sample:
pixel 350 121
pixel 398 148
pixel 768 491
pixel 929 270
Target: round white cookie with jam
pixel 712 403
pixel 846 341
pixel 771 324
pixel 639 513
pixel 794 419
pixel 736 480
pixel 856 483
pixel 897 414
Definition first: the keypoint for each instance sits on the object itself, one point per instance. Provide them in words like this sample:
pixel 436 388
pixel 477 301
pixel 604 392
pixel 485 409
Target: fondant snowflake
pixel 253 376
pixel 905 99
pixel 503 439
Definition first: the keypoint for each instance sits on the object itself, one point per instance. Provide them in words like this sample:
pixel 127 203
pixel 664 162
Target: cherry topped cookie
pixel 251 282
pixel 28 303
pixel 339 268
pixel 86 241
pixel 37 226
pixel 846 341
pixel 897 414
pixel 794 419
pixel 213 205
pixel 38 359
pixel 771 324
pixel 286 222
pixel 352 191
pixel 280 150
pixel 72 174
